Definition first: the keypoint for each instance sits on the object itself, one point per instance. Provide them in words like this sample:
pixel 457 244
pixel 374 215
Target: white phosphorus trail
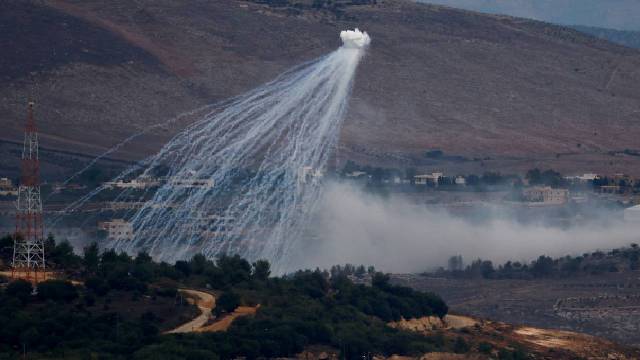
pixel 236 181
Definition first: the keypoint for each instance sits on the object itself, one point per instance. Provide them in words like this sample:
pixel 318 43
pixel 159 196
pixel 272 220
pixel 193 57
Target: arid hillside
pixel 513 92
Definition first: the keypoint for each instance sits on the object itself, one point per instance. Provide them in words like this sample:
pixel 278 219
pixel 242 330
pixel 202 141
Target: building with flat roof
pixel 117 229
pixel 7 188
pixel 546 195
pixel 428 178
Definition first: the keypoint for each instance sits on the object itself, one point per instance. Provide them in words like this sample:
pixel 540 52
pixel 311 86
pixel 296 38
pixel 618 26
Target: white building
pixel 309 175
pixel 584 178
pixel 460 180
pixel 7 188
pixel 192 183
pixel 117 229
pixel 546 195
pixel 139 183
pixel 6 183
pixel 632 214
pixel 122 184
pixel 428 178
pixel 356 174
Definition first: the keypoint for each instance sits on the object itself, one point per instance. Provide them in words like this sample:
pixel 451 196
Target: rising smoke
pixel 396 235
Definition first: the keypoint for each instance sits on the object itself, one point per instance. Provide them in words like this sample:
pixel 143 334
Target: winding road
pixel 206 303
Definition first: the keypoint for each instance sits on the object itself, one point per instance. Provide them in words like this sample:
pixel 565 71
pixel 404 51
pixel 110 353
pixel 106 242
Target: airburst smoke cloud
pixel 234 181
pixel 355 38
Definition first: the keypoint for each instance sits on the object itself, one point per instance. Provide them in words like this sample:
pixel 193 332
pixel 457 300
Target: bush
pixel 20 289
pixel 167 292
pixel 227 302
pixel 460 346
pixel 57 290
pixel 97 285
pixel 485 347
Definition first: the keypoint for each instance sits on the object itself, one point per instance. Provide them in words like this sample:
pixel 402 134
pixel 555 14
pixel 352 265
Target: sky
pixel 613 14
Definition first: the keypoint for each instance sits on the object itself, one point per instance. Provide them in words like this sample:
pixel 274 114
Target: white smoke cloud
pixel 355 39
pixel 398 236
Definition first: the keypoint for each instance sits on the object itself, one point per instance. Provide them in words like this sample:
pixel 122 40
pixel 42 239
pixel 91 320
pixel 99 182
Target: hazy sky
pixel 615 14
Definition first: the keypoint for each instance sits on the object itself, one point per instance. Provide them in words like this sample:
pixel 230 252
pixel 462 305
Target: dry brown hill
pixel 517 93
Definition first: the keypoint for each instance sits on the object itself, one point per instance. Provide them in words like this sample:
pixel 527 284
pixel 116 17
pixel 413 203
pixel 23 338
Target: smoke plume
pixel 398 236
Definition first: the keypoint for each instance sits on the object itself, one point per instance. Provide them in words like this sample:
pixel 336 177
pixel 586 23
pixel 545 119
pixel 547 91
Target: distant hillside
pixel 626 38
pixel 514 92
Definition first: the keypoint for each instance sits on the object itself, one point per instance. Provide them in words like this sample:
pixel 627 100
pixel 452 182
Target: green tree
pixel 261 270
pixel 380 280
pixel 91 258
pixel 227 302
pixel 20 289
pixel 542 267
pixel 6 248
pixel 198 264
pixel 63 256
pixel 57 290
pixel 460 346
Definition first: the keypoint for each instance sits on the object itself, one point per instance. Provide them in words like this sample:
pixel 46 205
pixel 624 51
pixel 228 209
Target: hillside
pixel 597 293
pixel 117 307
pixel 626 38
pixel 517 93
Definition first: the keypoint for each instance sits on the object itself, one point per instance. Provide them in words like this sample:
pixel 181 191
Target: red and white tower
pixel 28 247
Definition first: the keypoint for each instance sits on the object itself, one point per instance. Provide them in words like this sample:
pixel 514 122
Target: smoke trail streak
pixel 232 180
pixel 129 139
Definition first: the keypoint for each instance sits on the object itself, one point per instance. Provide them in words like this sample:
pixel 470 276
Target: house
pixel 7 188
pixel 57 188
pixel 6 183
pixel 584 178
pixel 356 174
pixel 546 195
pixel 140 183
pixel 309 175
pixel 192 183
pixel 117 229
pixel 460 180
pixel 428 179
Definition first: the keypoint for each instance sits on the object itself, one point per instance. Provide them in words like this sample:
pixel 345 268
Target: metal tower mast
pixel 28 246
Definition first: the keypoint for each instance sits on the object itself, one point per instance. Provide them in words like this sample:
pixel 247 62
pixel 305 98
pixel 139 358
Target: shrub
pixel 460 346
pixel 20 289
pixel 97 285
pixel 167 292
pixel 227 302
pixel 57 290
pixel 485 347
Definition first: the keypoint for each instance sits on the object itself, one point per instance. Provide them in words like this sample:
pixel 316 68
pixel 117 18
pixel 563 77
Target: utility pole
pixel 28 246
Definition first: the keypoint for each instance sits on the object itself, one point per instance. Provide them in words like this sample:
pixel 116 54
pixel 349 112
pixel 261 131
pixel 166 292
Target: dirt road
pixel 224 323
pixel 206 303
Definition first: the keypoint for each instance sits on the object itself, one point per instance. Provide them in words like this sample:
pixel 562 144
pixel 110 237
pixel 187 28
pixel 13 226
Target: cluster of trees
pixel 624 184
pixel 309 307
pixel 547 177
pixel 377 176
pixel 55 323
pixel 546 267
pixel 304 308
pixel 351 270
